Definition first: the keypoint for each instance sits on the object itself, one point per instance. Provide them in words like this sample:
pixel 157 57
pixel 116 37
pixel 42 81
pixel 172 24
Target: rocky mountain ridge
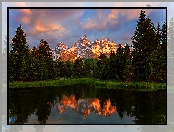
pixel 83 48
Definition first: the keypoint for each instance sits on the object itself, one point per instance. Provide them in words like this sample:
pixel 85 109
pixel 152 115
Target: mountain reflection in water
pixel 84 104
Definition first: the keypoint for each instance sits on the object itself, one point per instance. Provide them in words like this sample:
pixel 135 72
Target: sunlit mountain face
pixel 83 48
pixel 84 107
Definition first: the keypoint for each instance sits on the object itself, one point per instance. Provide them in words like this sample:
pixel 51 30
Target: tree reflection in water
pixel 142 107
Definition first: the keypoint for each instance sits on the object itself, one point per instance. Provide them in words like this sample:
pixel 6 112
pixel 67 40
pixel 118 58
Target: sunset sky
pixel 68 25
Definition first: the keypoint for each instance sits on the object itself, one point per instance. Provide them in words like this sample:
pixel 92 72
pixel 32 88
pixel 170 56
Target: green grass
pixel 144 86
pixel 147 86
pixel 60 82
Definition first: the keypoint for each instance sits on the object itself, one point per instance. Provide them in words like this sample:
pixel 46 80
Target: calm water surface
pixel 83 104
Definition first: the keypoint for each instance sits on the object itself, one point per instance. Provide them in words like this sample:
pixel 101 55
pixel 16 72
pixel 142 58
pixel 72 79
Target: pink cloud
pixel 90 24
pixel 112 18
pixel 41 26
pixel 26 14
pixel 103 21
pixel 31 15
pixel 25 19
pixel 57 27
pixel 41 21
pixel 134 14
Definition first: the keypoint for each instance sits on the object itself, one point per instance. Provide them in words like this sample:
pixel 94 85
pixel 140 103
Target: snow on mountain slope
pixel 84 49
pixel 61 47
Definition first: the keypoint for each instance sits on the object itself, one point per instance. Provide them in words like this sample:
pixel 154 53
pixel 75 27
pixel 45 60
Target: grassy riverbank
pixel 141 86
pixel 60 82
pixel 147 86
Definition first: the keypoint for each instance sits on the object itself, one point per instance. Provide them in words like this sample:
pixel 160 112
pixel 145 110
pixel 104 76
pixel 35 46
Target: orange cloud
pixel 39 27
pixel 25 18
pixel 46 27
pixel 57 27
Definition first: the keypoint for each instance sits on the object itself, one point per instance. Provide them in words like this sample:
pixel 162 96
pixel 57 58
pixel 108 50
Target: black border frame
pixel 8 8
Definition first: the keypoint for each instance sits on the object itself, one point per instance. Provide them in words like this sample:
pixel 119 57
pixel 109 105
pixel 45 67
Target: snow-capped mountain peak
pixel 83 48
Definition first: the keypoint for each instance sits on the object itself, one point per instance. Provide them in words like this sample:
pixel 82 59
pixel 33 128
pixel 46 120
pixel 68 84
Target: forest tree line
pixel 147 61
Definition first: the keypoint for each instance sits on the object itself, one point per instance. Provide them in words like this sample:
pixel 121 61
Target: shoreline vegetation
pixel 111 84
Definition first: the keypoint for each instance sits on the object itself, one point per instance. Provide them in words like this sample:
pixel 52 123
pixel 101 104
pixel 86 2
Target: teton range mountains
pixel 84 49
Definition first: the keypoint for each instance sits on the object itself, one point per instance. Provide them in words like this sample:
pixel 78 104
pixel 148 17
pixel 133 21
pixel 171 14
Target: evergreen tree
pixel 90 67
pixel 78 67
pixel 103 66
pixel 35 65
pixel 60 66
pixel 34 51
pixel 120 62
pixel 105 69
pixel 68 69
pixel 144 41
pixel 19 62
pixel 156 65
pixel 113 65
pixel 45 59
pixel 157 58
pixel 44 50
pixel 158 34
pixel 128 71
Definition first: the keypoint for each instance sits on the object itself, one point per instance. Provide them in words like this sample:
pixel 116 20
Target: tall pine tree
pixel 120 63
pixel 113 65
pixel 45 59
pixel 128 71
pixel 19 64
pixel 143 44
